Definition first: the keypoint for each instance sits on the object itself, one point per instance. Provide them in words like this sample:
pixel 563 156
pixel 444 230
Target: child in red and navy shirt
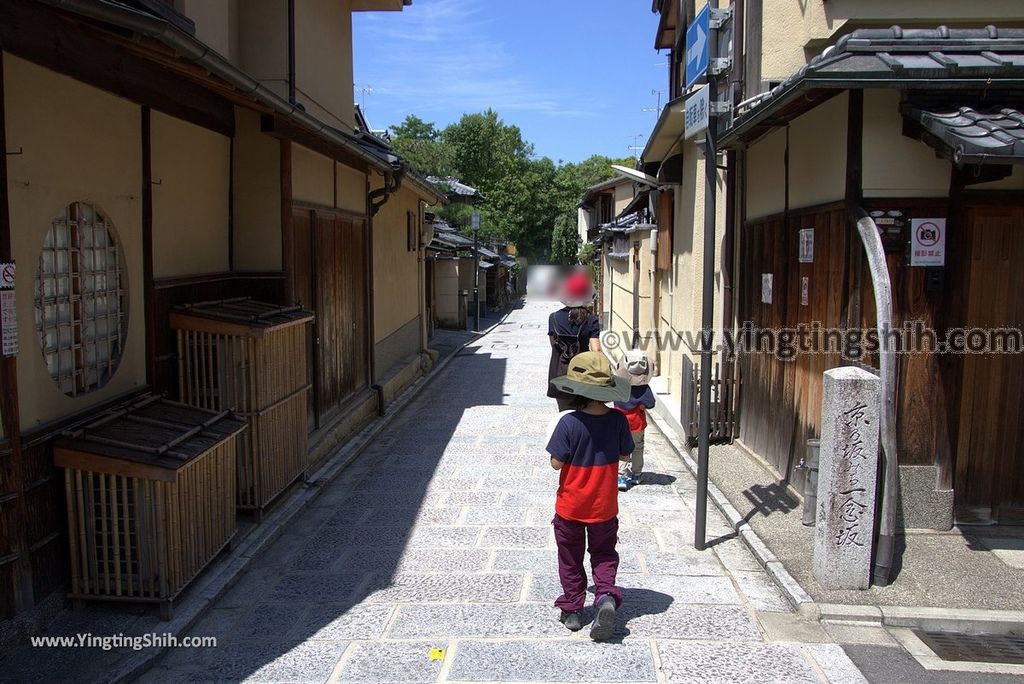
pixel 586 447
pixel 634 367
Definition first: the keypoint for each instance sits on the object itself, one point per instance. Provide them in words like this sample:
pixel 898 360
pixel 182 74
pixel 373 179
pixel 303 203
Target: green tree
pixel 529 201
pixel 565 241
pixel 419 142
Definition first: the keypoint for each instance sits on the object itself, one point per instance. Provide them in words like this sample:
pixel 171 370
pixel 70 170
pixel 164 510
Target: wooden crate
pixel 251 357
pixel 150 490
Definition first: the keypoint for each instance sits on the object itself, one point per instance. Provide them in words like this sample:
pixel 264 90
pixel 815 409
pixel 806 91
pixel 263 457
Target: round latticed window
pixel 80 300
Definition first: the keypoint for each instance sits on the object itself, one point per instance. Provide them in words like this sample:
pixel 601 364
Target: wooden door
pixel 331 277
pixel 990 447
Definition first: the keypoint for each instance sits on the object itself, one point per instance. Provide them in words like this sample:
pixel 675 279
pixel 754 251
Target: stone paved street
pixel 438 537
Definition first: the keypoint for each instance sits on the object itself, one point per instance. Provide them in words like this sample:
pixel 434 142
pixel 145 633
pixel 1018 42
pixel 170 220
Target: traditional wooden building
pixel 922 129
pixel 165 153
pixel 916 123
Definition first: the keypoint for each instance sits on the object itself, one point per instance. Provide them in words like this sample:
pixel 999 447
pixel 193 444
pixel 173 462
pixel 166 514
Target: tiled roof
pixel 923 59
pixel 453 186
pixel 970 137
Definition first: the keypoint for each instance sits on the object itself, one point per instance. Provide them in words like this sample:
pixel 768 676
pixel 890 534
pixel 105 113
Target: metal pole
pixel 476 279
pixel 707 325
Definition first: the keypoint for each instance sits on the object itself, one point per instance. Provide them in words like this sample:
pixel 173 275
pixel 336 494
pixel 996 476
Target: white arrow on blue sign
pixel 697 46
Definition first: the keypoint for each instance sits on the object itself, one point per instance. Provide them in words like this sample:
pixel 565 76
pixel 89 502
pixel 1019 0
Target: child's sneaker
pixel 604 622
pixel 624 481
pixel 573 621
pixel 635 480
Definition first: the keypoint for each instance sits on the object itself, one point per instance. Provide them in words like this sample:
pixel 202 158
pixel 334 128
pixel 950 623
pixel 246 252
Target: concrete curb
pixel 795 594
pixel 218 580
pixel 969 620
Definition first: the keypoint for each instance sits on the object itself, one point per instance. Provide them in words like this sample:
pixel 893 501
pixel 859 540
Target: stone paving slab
pixel 414 560
pixel 499 620
pixel 552 661
pixel 682 562
pixel 734 663
pixel 676 621
pixel 518 538
pixel 440 587
pixel 311 661
pixel 387 662
pixel 330 622
pixel 496 515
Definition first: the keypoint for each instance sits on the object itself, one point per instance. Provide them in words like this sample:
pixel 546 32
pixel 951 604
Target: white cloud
pixel 439 54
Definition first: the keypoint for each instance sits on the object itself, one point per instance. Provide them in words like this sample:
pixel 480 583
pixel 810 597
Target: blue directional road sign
pixel 697 41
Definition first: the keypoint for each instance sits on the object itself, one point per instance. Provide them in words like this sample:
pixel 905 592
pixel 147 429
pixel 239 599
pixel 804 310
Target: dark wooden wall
pixel 990 431
pixel 781 399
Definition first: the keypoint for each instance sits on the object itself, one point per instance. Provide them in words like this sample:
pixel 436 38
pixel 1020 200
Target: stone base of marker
pixel 847 479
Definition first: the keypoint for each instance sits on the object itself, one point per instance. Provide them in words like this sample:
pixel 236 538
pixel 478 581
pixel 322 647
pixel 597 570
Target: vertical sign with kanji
pixel 8 312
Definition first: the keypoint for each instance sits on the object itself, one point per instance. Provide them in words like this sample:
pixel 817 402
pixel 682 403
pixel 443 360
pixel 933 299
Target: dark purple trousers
pixel 599 539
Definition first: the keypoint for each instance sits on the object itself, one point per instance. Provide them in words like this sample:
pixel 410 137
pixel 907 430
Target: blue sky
pixel 573 75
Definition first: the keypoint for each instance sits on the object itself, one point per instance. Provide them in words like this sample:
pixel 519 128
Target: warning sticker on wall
pixel 8 311
pixel 928 242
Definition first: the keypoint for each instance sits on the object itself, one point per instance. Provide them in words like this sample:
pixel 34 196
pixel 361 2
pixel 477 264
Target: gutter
pixel 203 56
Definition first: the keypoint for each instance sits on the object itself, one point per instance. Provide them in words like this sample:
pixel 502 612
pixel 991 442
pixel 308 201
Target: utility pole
pixel 476 271
pixel 702 49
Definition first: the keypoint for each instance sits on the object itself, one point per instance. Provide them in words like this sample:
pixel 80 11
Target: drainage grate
pixel 977 648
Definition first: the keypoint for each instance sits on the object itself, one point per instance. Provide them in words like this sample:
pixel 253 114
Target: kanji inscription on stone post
pixel 847 479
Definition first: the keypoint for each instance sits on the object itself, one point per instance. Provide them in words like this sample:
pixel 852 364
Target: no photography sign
pixel 928 242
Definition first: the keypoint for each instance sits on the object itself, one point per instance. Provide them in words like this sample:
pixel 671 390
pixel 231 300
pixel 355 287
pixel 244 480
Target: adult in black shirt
pixel 571 330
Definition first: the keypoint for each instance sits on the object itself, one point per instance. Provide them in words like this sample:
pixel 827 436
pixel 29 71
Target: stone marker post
pixel 847 479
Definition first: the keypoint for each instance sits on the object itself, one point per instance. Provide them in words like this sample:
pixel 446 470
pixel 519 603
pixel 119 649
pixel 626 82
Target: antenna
pixel 636 147
pixel 363 90
pixel 656 109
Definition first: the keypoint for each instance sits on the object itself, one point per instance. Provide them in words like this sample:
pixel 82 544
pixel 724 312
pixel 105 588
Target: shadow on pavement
pixel 337 571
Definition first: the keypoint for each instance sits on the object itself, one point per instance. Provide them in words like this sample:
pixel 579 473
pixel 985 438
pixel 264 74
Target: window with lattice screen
pixel 80 299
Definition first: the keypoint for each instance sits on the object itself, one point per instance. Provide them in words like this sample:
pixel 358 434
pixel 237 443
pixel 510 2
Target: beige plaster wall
pixel 396 287
pixel 351 189
pixel 817 154
pixel 794 31
pixel 89 152
pixel 216 23
pixel 622 294
pixel 446 292
pixel 263 42
pixel 323 59
pixel 257 195
pixel 312 176
pixel 680 292
pixel 191 169
pixel 895 165
pixel 623 196
pixel 766 175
